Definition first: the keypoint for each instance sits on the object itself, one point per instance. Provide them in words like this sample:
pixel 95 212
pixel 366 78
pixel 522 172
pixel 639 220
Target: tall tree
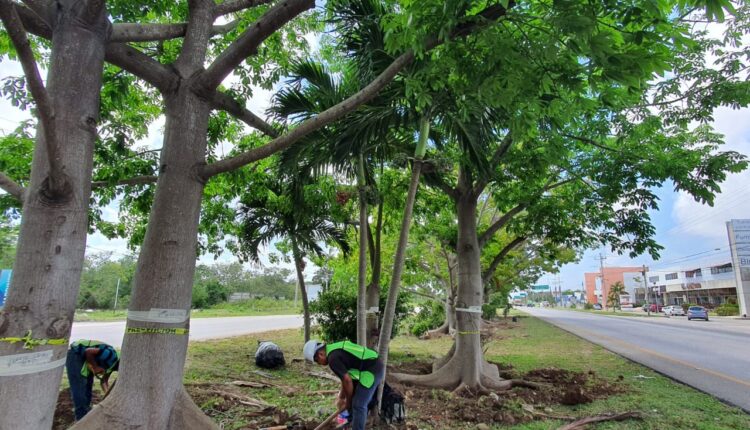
pixel 47 271
pixel 297 210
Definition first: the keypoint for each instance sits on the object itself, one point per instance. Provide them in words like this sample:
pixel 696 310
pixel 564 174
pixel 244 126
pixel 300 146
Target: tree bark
pixel 466 368
pixel 149 394
pixel 299 265
pixel 362 270
pixel 52 240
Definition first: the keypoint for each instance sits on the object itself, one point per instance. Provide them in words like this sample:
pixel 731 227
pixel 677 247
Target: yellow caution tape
pixel 30 343
pixel 468 332
pixel 140 330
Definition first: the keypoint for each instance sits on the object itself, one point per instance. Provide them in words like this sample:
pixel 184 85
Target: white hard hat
pixel 310 348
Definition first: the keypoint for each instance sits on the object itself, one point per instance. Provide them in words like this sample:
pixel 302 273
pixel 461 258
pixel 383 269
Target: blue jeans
pixel 362 397
pixel 80 386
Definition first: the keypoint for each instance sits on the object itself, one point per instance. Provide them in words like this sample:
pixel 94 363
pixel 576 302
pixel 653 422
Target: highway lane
pixel 200 328
pixel 712 356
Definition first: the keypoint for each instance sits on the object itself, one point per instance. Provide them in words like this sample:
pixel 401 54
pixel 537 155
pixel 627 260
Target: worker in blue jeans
pixel 359 369
pixel 86 360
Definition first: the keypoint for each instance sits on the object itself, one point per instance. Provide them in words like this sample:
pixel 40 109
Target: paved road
pixel 712 356
pixel 200 328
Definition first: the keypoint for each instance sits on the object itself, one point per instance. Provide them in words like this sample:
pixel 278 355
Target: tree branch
pixel 33 23
pixel 496 157
pixel 217 71
pixel 11 187
pixel 226 103
pixel 231 6
pixel 324 118
pixel 500 223
pixel 501 255
pixel 142 66
pixel 136 180
pixel 14 27
pixel 133 32
pixel 40 8
pixel 247 44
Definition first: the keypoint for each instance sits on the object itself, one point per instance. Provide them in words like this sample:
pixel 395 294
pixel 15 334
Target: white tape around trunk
pixel 472 309
pixel 373 310
pixel 167 316
pixel 32 362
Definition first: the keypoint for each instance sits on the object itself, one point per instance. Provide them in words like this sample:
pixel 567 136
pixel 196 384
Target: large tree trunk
pixel 466 367
pixel 149 393
pixel 47 271
pixel 362 271
pixel 299 265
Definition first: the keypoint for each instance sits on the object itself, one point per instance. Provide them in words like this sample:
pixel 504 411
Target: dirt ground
pixel 425 408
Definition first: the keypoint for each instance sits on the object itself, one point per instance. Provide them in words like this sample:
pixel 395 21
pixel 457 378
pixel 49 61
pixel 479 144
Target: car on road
pixel 653 307
pixel 597 307
pixel 697 312
pixel 530 305
pixel 674 310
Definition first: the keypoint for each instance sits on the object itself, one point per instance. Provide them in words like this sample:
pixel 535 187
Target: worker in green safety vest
pixel 359 369
pixel 86 360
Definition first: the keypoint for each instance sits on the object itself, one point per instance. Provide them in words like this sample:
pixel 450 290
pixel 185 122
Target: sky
pixel 692 234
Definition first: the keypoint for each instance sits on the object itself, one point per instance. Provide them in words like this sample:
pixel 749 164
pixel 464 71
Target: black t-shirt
pixel 341 361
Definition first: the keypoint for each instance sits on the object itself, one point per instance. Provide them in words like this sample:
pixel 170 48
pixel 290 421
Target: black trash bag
pixel 392 410
pixel 269 355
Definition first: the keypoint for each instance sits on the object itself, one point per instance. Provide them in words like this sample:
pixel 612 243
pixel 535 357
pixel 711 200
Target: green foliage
pixel 335 310
pixel 728 309
pixel 588 306
pixel 99 281
pixel 613 297
pixel 431 315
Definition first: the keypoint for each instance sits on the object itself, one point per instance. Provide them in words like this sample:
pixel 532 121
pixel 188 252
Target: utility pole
pixel 117 294
pixel 646 295
pixel 601 277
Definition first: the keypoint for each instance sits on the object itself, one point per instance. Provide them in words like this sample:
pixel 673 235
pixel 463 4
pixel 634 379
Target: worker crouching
pixel 88 359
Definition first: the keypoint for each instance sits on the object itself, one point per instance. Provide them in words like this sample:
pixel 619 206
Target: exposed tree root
pixel 442 361
pixel 575 425
pixel 185 415
pixel 449 377
pixel 437 332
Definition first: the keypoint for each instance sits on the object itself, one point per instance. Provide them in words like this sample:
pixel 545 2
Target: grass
pixel 253 307
pixel 530 344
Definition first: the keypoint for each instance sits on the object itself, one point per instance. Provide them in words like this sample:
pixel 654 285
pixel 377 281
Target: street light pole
pixel 117 294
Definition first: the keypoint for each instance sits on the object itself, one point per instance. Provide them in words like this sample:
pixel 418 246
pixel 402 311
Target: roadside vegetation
pixel 581 379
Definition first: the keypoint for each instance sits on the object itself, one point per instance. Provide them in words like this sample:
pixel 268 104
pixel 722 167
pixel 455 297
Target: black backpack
pixel 269 355
pixel 392 410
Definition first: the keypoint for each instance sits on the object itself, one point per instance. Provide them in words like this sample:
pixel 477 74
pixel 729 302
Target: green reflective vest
pixel 84 344
pixel 366 378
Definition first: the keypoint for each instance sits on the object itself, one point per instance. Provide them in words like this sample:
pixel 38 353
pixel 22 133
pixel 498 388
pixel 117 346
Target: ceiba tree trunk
pixel 52 240
pixel 299 265
pixel 149 393
pixel 465 367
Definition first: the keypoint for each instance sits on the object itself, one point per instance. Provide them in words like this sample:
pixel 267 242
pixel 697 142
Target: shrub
pixel 430 316
pixel 588 306
pixel 573 306
pixel 335 311
pixel 728 309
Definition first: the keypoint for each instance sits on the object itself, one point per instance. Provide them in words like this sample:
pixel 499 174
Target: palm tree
pixel 294 210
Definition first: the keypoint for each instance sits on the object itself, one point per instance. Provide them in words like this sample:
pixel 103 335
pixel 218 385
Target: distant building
pixel 597 284
pixel 710 285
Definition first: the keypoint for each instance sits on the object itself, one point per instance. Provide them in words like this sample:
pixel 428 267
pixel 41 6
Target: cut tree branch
pixel 142 66
pixel 133 32
pixel 11 187
pixel 500 223
pixel 226 103
pixel 500 256
pixel 364 95
pixel 40 8
pixel 32 22
pixel 136 180
pixel 232 6
pixel 247 44
pixel 15 29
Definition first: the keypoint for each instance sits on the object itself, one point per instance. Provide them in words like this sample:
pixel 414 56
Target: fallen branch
pixel 599 418
pixel 323 375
